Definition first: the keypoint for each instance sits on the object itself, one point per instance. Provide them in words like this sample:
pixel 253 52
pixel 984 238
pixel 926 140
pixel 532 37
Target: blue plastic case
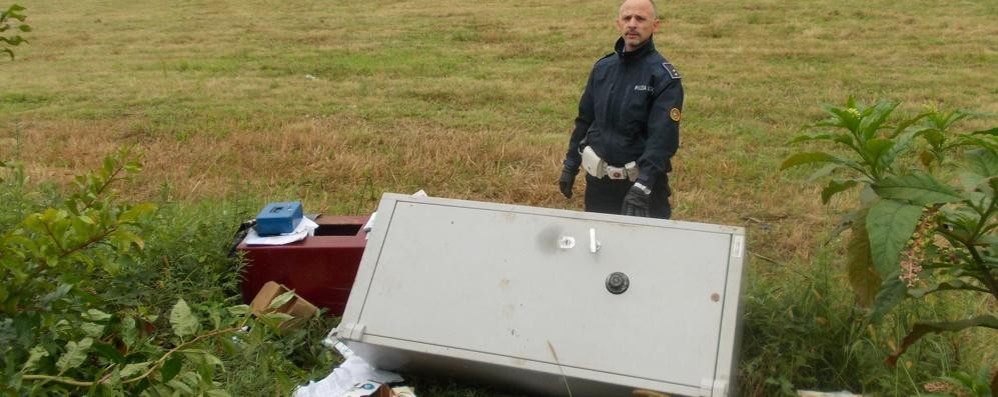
pixel 278 218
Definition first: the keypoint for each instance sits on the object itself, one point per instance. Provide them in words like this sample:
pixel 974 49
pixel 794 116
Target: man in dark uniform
pixel 628 125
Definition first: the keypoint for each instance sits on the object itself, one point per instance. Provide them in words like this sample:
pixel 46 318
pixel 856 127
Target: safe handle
pixel 594 244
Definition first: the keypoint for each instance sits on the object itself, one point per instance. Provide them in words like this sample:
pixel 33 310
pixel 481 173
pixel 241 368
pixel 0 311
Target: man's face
pixel 636 22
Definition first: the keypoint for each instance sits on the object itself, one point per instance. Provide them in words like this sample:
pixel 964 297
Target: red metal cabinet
pixel 320 268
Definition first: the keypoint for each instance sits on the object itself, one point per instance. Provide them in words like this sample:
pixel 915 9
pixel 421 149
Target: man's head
pixel 636 22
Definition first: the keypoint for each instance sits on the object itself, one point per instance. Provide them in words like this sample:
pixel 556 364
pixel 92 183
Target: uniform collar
pixel 648 47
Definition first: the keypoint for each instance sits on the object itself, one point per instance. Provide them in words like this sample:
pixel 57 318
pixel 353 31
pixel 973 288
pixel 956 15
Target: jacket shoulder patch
pixel 671 69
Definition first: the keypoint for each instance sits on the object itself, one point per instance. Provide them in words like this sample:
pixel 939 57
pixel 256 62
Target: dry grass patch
pixel 471 100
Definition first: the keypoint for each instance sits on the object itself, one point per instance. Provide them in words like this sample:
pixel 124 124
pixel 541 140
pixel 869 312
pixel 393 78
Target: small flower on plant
pixel 914 253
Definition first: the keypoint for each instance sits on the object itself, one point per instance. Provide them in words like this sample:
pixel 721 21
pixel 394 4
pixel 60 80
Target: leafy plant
pixel 14 12
pixel 926 221
pixel 59 332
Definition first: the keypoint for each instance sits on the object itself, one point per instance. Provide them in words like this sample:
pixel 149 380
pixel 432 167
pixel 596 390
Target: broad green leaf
pixel 876 148
pixel 194 356
pixel 131 370
pixel 239 310
pixel 943 286
pixel 129 334
pixel 834 187
pixel 62 326
pixel 281 299
pixel 183 321
pixel 107 351
pixel 976 141
pixel 891 292
pixel 158 390
pixel 127 238
pixel 137 211
pixel 952 117
pixel 862 277
pixel 918 188
pixel 890 225
pixel 934 137
pixel 170 368
pixel 114 380
pixel 95 315
pixel 875 118
pixel 76 353
pixel 57 294
pixel 922 329
pixel 822 136
pixel 178 385
pixel 34 356
pixel 822 172
pixel 211 359
pixel 829 122
pixel 992 132
pixel 277 318
pixel 901 145
pixel 982 162
pixel 971 181
pixel 92 330
pixel 216 318
pixel 815 157
pixel 217 393
pixel 904 126
pixel 961 221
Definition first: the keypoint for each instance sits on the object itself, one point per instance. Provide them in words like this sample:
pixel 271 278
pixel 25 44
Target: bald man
pixel 627 129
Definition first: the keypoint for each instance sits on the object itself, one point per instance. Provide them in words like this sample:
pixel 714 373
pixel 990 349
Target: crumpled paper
pixel 353 370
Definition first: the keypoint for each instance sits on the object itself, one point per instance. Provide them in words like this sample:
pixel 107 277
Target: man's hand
pixel 566 181
pixel 637 201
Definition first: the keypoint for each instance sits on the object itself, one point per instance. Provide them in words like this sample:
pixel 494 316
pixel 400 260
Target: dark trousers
pixel 606 196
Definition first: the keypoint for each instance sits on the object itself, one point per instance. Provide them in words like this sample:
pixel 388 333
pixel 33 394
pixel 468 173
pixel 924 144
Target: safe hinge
pixel 351 331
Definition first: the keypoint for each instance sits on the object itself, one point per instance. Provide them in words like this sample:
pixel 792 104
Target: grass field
pixel 334 102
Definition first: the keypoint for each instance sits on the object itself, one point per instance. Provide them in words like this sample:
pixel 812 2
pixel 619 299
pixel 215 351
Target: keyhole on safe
pixel 617 283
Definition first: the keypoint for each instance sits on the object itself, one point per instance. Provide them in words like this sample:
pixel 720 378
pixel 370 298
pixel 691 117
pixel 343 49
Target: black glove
pixel 637 201
pixel 566 181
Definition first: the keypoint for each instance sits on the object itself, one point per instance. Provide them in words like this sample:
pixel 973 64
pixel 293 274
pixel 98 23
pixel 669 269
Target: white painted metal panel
pixel 449 283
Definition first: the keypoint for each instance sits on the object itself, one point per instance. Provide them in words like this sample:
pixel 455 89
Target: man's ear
pixel 654 28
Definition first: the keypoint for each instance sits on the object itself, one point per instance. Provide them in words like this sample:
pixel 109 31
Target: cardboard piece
pixel 297 307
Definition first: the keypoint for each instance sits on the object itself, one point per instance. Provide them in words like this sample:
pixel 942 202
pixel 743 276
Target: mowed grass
pixel 334 102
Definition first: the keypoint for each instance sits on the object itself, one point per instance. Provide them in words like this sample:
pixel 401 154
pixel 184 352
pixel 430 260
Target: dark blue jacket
pixel 626 112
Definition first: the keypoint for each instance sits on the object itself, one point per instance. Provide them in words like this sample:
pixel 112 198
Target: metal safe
pixel 547 301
